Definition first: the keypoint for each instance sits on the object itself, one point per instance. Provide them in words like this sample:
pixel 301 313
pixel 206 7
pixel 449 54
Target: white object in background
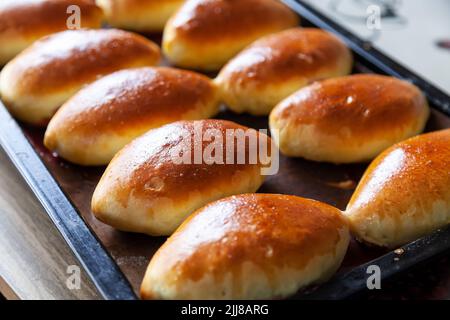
pixel 409 32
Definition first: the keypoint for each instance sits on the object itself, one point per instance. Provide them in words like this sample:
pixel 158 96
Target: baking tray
pixel 116 261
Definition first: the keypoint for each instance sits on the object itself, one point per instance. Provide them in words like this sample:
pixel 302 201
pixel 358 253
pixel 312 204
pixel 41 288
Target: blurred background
pixel 416 33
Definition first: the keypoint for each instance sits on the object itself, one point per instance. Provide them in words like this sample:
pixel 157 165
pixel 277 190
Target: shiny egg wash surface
pixel 150 156
pixel 287 54
pixel 76 55
pixel 270 233
pixel 131 97
pixel 405 191
pixel 26 17
pixel 265 229
pixel 230 18
pixel 364 104
pixel 422 162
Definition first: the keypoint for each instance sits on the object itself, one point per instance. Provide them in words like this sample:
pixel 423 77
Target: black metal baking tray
pixel 102 267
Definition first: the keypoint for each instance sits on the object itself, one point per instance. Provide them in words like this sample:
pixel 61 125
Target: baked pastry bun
pixel 103 117
pixel 160 178
pixel 348 119
pixel 405 192
pixel 249 246
pixel 277 65
pixel 205 34
pixel 40 79
pixel 24 21
pixel 139 15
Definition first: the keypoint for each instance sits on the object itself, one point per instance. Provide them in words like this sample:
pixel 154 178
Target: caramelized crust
pixel 31 17
pixel 350 118
pixel 78 56
pixel 43 76
pixel 140 15
pixel 205 34
pixel 279 237
pixel 365 104
pixel 148 188
pixel 282 62
pixel 24 21
pixel 201 20
pixel 100 119
pixel 405 192
pixel 299 52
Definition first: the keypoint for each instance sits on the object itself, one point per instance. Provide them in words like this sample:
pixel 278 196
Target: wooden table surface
pixel 33 255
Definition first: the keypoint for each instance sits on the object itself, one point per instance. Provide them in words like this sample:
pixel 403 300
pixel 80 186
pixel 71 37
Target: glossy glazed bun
pixel 205 34
pixel 160 178
pixel 103 117
pixel 405 192
pixel 139 15
pixel 24 21
pixel 277 65
pixel 250 246
pixel 40 79
pixel 348 119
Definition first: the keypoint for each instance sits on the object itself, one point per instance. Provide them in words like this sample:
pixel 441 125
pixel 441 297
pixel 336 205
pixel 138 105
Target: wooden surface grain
pixel 33 255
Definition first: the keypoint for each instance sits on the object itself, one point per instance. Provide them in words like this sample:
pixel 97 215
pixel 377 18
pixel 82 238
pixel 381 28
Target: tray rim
pixel 104 271
pixel 84 244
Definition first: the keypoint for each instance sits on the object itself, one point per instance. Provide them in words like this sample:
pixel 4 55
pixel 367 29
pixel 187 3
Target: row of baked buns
pixel 24 21
pixel 200 34
pixel 104 101
pixel 344 119
pixel 257 246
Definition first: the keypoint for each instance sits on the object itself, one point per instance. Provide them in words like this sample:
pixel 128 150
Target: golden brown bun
pixel 277 65
pixel 139 15
pixel 348 119
pixel 102 118
pixel 205 34
pixel 144 189
pixel 250 246
pixel 405 192
pixel 40 79
pixel 24 21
